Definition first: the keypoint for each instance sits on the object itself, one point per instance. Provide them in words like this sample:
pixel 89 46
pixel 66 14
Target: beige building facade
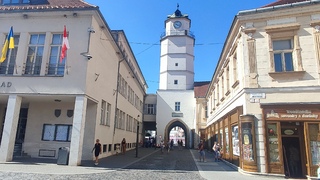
pixel 263 100
pixel 96 92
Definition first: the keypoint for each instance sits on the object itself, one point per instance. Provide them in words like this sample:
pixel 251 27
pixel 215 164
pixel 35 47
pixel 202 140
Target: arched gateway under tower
pixel 174 123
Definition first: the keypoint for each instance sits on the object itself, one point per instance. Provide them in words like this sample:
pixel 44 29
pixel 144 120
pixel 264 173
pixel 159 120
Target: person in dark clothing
pixel 97 150
pixel 171 144
pixel 123 145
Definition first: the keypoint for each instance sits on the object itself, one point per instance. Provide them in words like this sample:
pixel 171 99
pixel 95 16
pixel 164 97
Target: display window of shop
pixel 247 141
pixel 235 140
pixel 273 143
pixel 313 141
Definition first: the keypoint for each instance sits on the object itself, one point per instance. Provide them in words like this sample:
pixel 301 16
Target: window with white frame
pixel 150 108
pixel 108 115
pixel 177 106
pixel 284 49
pixel 235 67
pixel 35 54
pixel 123 124
pixel 117 118
pixel 282 55
pixel 103 112
pixel 175 82
pixel 8 65
pixel 56 66
pixel 56 132
pixel 227 79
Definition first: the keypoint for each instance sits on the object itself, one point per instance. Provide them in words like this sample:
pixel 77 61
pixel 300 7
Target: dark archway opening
pixel 182 128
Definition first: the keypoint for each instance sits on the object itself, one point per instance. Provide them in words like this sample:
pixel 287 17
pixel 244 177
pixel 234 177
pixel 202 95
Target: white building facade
pixel 96 92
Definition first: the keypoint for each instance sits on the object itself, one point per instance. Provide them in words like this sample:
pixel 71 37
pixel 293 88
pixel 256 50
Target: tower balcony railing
pixel 177 33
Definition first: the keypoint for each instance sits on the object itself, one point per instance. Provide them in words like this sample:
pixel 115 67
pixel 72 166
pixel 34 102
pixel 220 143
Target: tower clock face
pixel 177 24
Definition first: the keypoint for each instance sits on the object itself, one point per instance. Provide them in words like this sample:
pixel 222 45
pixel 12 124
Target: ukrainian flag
pixel 9 44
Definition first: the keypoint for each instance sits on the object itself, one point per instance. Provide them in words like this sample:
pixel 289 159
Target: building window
pixel 56 132
pixel 175 81
pixel 235 65
pixel 35 54
pixel 206 111
pixel 103 113
pixel 56 67
pixel 14 2
pixel 176 64
pixel 108 114
pixel 7 66
pixel 150 109
pixel 227 79
pixel 177 106
pixel 117 118
pixel 284 48
pixel 282 54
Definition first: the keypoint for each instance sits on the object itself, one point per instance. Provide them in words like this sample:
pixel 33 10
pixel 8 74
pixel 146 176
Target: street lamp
pixel 137 139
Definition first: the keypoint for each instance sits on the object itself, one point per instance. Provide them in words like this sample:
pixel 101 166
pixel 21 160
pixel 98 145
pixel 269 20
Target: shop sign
pixel 5 84
pixel 292 114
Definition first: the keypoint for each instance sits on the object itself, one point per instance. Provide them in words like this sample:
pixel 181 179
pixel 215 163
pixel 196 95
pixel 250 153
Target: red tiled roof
pixel 200 88
pixel 48 4
pixel 282 2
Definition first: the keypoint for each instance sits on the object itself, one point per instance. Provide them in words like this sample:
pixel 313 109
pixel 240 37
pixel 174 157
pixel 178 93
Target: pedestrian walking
pixel 202 154
pixel 216 149
pixel 118 150
pixel 97 150
pixel 167 146
pixel 123 145
pixel 162 146
pixel 171 144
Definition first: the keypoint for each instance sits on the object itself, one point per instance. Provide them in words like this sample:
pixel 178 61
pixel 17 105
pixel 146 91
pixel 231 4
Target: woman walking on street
pixel 97 150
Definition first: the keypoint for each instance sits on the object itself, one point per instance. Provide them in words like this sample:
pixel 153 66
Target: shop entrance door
pixel 292 157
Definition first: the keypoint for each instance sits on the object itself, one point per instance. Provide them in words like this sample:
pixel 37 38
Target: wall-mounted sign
pixel 288 132
pixel 174 114
pixel 257 95
pixel 306 114
pixel 5 84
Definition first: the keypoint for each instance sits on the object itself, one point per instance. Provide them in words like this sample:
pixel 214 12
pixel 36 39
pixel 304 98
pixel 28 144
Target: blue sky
pixel 143 23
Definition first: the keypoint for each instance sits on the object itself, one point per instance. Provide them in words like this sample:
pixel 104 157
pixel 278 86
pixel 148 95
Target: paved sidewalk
pixel 208 170
pixel 48 166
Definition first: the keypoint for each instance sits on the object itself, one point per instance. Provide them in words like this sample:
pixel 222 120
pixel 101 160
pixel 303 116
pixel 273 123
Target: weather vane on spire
pixel 177 5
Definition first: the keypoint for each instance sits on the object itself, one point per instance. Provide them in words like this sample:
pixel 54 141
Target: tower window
pixel 176 64
pixel 175 81
pixel 177 106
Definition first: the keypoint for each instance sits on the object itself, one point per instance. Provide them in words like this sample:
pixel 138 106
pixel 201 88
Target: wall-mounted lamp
pixel 25 16
pixel 87 55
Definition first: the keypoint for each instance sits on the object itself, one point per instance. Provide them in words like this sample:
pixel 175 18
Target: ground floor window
pixel 56 132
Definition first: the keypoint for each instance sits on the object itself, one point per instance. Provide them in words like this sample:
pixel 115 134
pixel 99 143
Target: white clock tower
pixel 175 96
pixel 177 55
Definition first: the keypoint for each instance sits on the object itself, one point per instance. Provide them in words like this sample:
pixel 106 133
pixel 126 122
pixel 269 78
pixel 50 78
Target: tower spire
pixel 177 5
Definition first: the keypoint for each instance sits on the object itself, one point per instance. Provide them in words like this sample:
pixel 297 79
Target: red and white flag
pixel 65 45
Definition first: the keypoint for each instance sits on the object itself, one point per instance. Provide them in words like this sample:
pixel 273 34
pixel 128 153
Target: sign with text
pixel 292 114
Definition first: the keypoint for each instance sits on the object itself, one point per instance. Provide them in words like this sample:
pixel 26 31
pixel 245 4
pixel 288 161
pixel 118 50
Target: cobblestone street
pixel 151 164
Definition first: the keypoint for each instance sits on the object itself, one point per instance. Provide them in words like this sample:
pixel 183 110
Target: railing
pixel 177 33
pixel 7 69
pixel 56 69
